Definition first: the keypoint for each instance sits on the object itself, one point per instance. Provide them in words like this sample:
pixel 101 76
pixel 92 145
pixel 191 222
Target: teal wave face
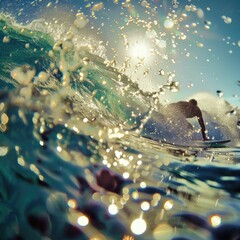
pixel 111 91
pixel 21 46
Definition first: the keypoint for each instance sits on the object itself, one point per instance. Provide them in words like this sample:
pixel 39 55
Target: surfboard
pixel 194 143
pixel 212 143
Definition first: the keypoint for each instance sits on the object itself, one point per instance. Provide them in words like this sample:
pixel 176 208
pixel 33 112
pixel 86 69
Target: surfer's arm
pixel 202 125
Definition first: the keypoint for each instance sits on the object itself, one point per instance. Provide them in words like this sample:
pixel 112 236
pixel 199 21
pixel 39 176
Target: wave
pixel 220 116
pixel 66 74
pixel 82 90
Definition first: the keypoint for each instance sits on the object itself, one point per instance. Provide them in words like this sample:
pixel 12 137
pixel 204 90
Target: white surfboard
pixel 194 143
pixel 211 143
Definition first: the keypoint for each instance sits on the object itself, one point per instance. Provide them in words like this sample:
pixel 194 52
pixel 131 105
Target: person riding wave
pixel 182 110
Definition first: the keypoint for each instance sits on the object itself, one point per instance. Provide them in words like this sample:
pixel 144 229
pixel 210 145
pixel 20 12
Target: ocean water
pixel 75 162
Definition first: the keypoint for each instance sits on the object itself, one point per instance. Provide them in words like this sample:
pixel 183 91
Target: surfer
pixel 182 110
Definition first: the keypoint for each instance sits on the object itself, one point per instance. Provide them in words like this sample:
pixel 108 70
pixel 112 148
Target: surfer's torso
pixel 184 109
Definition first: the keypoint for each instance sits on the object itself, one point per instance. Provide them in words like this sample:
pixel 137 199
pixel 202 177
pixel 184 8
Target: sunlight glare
pixel 139 50
pixel 138 226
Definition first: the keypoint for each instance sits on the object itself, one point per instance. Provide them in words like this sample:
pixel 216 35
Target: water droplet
pixel 188 8
pixel 161 43
pixel 219 93
pixel 232 112
pixel 72 203
pixel 3 151
pixel 21 161
pixel 81 21
pixel 227 20
pixel 200 13
pixel 113 209
pixel 6 39
pixel 85 61
pixel 49 4
pixel 168 205
pixel 174 86
pixel 143 185
pixel 161 72
pixel 4 118
pixel 145 206
pixel 215 220
pixel 126 175
pixel 238 124
pixel 200 45
pixel 145 4
pixel 97 7
pixel 23 74
pixel 83 221
pixel 43 76
pixel 175 3
pixel 168 23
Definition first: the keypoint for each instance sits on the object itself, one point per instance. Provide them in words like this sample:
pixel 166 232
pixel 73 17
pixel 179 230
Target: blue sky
pixel 205 60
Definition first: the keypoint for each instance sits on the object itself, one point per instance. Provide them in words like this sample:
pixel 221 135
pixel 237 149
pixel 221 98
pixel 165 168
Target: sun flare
pixel 140 50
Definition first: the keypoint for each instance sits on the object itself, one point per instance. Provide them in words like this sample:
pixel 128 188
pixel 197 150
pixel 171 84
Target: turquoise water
pixel 75 164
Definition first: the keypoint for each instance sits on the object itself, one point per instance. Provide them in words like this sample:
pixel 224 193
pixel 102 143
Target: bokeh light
pixel 138 226
pixel 83 221
pixel 215 220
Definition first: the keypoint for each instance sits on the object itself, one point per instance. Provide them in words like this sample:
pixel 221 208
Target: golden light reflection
pixel 3 151
pixel 168 205
pixel 125 190
pixel 139 50
pixel 126 175
pixel 3 127
pixel 154 203
pixel 83 221
pixel 135 195
pixel 113 209
pixel 163 232
pixel 96 196
pixel 168 23
pixel 143 185
pixel 156 196
pixel 4 118
pixel 145 206
pixel 2 105
pixel 139 162
pixel 34 169
pixel 215 220
pixel 59 149
pixel 97 238
pixel 126 197
pixel 138 226
pixel 128 238
pixel 21 161
pixel 41 177
pixel 72 203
